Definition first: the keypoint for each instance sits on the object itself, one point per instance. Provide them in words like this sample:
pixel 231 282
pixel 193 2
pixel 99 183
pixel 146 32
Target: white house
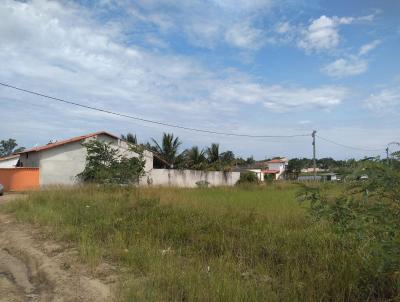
pixel 62 161
pixel 276 167
pixel 9 161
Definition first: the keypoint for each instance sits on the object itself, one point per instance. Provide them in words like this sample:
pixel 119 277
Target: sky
pixel 261 67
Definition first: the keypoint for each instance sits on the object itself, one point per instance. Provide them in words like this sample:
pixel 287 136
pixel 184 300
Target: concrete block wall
pixel 189 178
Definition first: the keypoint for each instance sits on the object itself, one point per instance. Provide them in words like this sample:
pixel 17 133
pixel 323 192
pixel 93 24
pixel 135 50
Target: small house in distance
pixel 60 162
pixel 276 167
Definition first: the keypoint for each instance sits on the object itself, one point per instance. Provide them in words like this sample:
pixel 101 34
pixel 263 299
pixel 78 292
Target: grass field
pixel 219 244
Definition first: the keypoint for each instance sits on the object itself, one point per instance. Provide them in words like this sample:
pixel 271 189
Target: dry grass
pixel 219 244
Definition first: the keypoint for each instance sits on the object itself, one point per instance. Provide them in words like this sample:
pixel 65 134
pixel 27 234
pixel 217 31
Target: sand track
pixel 35 269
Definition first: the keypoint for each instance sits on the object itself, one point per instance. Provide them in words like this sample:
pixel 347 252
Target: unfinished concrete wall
pixel 189 178
pixel 61 165
pixel 30 160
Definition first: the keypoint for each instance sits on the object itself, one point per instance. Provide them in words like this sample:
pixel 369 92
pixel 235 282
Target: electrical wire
pixel 148 120
pixel 346 146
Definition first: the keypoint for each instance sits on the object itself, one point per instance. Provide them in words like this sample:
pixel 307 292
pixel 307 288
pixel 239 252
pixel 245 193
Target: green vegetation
pixel 366 217
pixel 248 178
pixel 105 164
pixel 247 243
pixel 167 154
pixel 8 147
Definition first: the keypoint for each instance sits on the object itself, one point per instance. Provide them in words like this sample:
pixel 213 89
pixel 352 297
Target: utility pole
pixel 387 155
pixel 314 160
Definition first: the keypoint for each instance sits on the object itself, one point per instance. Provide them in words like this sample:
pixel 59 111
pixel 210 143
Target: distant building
pixel 257 172
pixel 276 167
pixel 311 170
pixel 320 177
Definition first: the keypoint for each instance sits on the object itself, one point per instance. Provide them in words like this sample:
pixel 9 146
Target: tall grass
pixel 218 244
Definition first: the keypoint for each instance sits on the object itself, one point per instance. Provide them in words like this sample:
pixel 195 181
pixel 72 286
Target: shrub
pixel 104 164
pixel 366 217
pixel 248 177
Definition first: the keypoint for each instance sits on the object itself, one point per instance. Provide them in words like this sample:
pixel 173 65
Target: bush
pixel 104 164
pixel 366 217
pixel 248 178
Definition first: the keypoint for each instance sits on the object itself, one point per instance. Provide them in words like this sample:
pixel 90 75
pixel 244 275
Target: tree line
pixel 343 167
pixel 167 154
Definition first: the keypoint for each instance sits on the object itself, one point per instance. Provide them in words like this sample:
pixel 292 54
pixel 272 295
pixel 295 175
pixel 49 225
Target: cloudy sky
pixel 261 67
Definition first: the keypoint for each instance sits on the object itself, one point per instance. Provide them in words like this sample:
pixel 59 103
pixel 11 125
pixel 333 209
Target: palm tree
pixel 168 149
pixel 130 138
pixel 195 158
pixel 228 157
pixel 212 152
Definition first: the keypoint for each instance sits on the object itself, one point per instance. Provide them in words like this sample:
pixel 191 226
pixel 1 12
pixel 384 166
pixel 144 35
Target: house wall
pixel 188 178
pixel 31 160
pixel 9 163
pixel 61 165
pixel 260 176
pixel 19 179
pixel 277 166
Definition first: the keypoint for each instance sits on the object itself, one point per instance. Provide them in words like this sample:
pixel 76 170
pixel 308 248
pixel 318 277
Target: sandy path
pixel 35 269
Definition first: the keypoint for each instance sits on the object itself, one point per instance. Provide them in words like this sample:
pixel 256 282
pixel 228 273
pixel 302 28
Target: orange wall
pixel 19 179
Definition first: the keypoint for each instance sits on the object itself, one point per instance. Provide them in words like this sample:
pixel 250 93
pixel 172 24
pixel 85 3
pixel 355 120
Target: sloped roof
pixel 270 171
pixel 67 141
pixel 276 161
pixel 9 157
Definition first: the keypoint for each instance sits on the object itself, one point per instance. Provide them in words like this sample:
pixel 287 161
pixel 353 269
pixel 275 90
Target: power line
pixel 147 120
pixel 346 146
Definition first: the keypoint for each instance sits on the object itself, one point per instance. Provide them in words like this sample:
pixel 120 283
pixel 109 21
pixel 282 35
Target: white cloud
pixel 55 49
pixel 60 50
pixel 243 35
pixel 352 65
pixel 245 5
pixel 323 33
pixel 366 48
pixel 279 98
pixel 346 67
pixel 204 24
pixel 386 100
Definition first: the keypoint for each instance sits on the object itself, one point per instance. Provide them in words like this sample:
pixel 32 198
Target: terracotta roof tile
pixel 277 160
pixel 9 157
pixel 67 141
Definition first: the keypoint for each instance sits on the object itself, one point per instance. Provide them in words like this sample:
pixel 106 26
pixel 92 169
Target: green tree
pixel 168 149
pixel 250 160
pixel 104 164
pixel 212 152
pixel 194 158
pixel 227 157
pixel 130 138
pixel 8 147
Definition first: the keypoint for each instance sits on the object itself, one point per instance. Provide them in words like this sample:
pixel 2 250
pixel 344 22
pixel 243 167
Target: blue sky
pixel 259 67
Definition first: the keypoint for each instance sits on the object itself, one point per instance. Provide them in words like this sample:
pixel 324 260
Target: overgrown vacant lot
pixel 220 244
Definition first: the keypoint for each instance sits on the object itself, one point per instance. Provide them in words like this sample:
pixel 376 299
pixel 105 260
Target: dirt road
pixel 35 269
